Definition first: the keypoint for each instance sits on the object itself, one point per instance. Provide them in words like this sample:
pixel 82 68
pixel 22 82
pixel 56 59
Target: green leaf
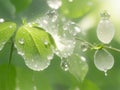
pixel 77 66
pixel 76 8
pixel 36 47
pixel 7 29
pixel 21 4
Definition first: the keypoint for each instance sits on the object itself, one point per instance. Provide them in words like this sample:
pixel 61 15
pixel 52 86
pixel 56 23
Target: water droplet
pixel 21 53
pixel 105 72
pixel 64 65
pixel 77 29
pixel 50 57
pixel 72 27
pixel 64 46
pixel 46 42
pixel 37 63
pixel 103 60
pixel 21 41
pixel 83 58
pixel 54 4
pixel 45 21
pixel 105 31
pixel 53 15
pixel 84 47
pixel 1 20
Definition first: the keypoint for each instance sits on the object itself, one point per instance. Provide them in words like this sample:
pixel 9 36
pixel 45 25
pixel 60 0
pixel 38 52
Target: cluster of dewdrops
pixel 64 31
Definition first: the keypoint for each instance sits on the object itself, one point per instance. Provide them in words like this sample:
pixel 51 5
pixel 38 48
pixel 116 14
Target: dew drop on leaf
pixel 54 4
pixel 64 65
pixel 46 42
pixel 21 53
pixel 105 30
pixel 103 60
pixel 21 41
pixel 36 46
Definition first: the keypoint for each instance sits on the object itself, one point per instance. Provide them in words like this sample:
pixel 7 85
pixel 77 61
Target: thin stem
pixel 96 47
pixel 11 52
pixel 114 49
pixel 91 45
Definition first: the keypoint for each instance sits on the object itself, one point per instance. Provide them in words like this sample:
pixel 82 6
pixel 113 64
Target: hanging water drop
pixel 54 4
pixel 105 73
pixel 84 47
pixel 103 60
pixel 1 20
pixel 105 29
pixel 64 65
pixel 21 41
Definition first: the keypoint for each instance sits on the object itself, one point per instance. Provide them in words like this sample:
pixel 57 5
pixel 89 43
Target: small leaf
pixel 77 66
pixel 7 29
pixel 36 47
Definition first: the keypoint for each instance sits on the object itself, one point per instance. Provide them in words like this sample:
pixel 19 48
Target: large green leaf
pixel 35 45
pixel 77 66
pixel 7 29
pixel 20 4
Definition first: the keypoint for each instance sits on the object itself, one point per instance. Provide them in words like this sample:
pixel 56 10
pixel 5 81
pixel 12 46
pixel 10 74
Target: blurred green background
pixel 17 76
